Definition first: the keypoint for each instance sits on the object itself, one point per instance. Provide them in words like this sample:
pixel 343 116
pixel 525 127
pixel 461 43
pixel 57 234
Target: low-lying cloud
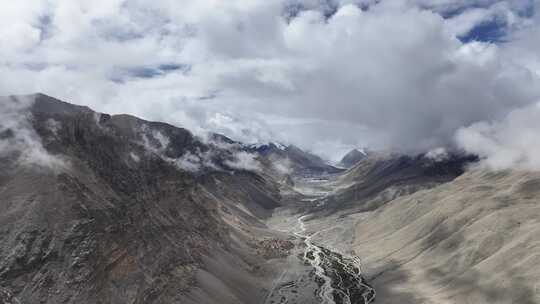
pixel 509 143
pixel 244 161
pixel 282 166
pixel 221 156
pixel 18 138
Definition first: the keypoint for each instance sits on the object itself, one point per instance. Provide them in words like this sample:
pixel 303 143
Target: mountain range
pixel 100 208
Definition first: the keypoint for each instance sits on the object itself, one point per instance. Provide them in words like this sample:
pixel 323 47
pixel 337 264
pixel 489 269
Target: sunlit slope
pixel 473 240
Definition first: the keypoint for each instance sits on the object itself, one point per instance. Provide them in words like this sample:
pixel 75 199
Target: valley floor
pixel 323 268
pixel 473 240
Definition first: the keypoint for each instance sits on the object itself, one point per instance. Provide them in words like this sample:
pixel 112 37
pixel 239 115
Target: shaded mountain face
pixel 381 177
pixel 352 158
pixel 293 160
pixel 108 209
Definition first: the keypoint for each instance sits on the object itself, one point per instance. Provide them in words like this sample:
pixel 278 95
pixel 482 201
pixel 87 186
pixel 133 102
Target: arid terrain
pixel 115 209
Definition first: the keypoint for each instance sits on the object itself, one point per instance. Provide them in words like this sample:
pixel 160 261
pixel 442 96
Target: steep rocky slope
pixel 114 209
pixel 103 209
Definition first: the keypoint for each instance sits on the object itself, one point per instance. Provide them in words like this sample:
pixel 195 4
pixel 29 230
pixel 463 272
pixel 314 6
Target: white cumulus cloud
pixel 327 75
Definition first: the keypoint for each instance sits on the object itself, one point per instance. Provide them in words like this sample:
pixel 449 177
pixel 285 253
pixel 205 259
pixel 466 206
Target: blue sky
pixel 493 31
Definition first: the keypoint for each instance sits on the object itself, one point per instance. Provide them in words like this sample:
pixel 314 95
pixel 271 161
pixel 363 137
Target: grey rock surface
pixel 115 220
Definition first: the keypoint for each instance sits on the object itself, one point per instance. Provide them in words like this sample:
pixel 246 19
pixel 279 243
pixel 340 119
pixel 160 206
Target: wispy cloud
pixel 18 138
pixel 244 161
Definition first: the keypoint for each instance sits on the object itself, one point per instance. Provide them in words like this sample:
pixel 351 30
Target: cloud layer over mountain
pixel 18 139
pixel 327 75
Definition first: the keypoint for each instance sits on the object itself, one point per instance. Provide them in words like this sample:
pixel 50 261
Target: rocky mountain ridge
pixel 116 220
pixel 102 208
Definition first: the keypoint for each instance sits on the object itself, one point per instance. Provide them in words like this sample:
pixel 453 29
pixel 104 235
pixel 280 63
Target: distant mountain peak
pixel 270 144
pixel 353 157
